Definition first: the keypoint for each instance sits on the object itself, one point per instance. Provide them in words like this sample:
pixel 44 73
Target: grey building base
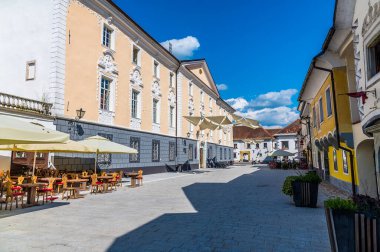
pixel 345 186
pixel 82 130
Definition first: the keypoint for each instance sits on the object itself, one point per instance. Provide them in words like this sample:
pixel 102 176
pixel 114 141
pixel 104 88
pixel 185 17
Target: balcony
pixel 24 104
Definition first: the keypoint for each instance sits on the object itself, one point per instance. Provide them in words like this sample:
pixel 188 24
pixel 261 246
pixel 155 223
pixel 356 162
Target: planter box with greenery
pixel 303 188
pixel 353 224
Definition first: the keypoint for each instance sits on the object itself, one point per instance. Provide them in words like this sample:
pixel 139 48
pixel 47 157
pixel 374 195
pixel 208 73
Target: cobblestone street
pixel 236 209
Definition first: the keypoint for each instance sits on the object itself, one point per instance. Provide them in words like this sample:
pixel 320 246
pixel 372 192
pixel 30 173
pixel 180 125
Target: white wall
pixel 293 148
pixel 25 35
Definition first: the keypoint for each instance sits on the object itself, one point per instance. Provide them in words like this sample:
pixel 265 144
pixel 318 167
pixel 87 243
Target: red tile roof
pixel 294 127
pixel 243 132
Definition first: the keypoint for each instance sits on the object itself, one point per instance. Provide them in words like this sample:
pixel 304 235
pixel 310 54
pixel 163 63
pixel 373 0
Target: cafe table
pixel 31 189
pixel 133 176
pixel 81 181
pixel 105 180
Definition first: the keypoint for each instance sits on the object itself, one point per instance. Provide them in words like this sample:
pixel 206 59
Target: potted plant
pixel 303 188
pixel 353 224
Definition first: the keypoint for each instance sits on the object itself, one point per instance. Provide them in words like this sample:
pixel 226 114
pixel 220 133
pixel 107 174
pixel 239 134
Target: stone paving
pixel 236 209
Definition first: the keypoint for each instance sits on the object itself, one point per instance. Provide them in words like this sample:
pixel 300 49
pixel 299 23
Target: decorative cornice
pixel 371 17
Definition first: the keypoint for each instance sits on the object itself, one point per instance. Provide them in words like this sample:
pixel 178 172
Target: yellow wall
pixel 328 124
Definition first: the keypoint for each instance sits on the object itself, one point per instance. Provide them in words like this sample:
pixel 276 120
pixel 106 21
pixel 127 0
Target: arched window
pixel 335 160
pixel 345 163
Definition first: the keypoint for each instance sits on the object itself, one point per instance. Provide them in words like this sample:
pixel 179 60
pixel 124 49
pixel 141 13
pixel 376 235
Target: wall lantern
pixel 80 114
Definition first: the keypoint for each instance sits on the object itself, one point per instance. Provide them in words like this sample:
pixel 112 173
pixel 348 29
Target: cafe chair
pixel 114 181
pixel 120 178
pixel 95 184
pixel 60 183
pixel 84 174
pixel 13 195
pixel 140 177
pixel 34 179
pixel 71 192
pixel 45 191
pixel 103 174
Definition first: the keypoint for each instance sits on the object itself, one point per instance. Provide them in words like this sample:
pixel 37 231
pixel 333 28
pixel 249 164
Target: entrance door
pixel 201 161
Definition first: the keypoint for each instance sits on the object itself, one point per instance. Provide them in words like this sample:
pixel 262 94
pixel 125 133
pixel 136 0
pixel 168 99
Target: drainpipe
pixel 337 126
pixel 176 115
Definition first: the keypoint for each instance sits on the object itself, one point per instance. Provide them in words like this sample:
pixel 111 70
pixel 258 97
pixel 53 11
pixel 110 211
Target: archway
pixel 366 168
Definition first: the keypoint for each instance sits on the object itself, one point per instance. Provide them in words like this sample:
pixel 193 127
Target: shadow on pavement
pixel 16 211
pixel 246 213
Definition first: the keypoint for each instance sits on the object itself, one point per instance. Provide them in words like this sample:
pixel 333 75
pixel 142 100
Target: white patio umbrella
pixel 103 145
pixel 13 131
pixel 67 147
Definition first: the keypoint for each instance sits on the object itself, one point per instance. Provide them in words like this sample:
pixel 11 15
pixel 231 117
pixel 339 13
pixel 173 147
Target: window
pixel 221 153
pixel 40 155
pixel 107 36
pixel 190 152
pixel 171 116
pixel 210 154
pixel 345 162
pixel 136 55
pixel 30 70
pixel 190 89
pixel 328 102
pixel 265 145
pixel 155 151
pixel 156 69
pixel 135 97
pixel 248 146
pixel 320 110
pixel 373 58
pixel 105 94
pixel 171 151
pixel 171 77
pixel 202 96
pixel 285 145
pixel 230 155
pixel 155 111
pixel 335 160
pixel 314 118
pixel 105 159
pixel 135 144
pixel 225 153
pixel 235 146
pixel 195 152
pixel 20 154
pixel 257 146
pixel 276 145
pixel 235 156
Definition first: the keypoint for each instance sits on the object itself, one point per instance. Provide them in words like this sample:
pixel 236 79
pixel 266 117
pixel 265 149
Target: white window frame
pixel 331 109
pixel 171 116
pixel 138 63
pixel 30 67
pixel 109 102
pixel 112 37
pixel 156 118
pixel 138 104
pixel 321 112
pixel 345 162
pixel 156 69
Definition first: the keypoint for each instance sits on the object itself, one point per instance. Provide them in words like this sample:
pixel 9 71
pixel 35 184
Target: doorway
pixel 326 164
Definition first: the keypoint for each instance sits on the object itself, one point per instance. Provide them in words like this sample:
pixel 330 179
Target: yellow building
pixel 324 103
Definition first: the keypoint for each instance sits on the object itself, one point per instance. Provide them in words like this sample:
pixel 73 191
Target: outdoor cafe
pixel 35 187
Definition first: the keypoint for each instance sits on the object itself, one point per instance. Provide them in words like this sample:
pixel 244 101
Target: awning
pixel 193 119
pixel 245 121
pixel 281 153
pixel 15 131
pixel 220 120
pixel 67 147
pixel 206 124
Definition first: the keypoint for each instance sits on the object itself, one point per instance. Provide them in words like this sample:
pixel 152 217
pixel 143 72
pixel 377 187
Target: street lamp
pixel 80 114
pixel 74 128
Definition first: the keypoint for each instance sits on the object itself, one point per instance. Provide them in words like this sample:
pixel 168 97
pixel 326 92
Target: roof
pixel 244 132
pixel 273 131
pixel 292 128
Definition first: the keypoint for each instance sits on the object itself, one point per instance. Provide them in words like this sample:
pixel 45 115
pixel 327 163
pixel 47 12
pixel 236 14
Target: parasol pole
pixel 34 162
pixel 96 159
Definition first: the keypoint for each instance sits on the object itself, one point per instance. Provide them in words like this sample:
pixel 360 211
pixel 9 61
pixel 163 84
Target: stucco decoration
pixel 107 68
pixel 156 91
pixel 372 16
pixel 191 105
pixel 137 85
pixel 136 79
pixel 358 70
pixel 107 63
pixel 171 98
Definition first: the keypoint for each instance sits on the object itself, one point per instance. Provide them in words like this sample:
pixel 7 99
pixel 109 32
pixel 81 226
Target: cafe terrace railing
pixel 24 104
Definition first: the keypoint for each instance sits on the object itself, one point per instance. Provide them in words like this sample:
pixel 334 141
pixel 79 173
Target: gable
pixel 200 69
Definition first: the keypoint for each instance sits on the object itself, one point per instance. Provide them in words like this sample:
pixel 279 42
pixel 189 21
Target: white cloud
pixel 184 47
pixel 273 127
pixel 273 99
pixel 238 103
pixel 222 87
pixel 273 116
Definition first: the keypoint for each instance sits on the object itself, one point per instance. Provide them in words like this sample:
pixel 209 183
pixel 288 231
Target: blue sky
pixel 259 50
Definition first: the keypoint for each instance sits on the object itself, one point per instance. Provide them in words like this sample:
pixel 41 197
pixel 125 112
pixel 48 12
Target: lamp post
pixel 73 124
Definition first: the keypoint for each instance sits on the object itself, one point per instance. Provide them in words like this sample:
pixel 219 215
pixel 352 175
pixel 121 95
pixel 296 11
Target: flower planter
pixel 305 194
pixel 352 231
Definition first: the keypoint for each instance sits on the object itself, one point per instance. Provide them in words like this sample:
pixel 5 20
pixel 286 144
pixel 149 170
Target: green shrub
pixel 346 205
pixel 310 177
pixel 287 188
pixel 367 205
